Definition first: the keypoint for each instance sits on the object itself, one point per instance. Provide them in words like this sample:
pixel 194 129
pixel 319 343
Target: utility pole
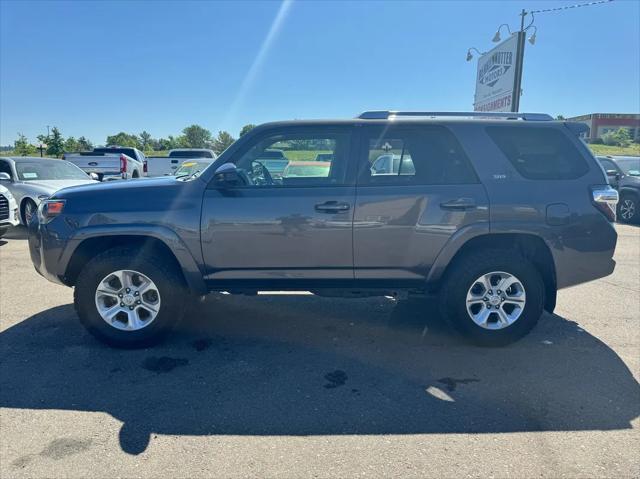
pixel 517 81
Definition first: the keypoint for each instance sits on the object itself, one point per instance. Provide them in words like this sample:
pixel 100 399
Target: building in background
pixel 601 123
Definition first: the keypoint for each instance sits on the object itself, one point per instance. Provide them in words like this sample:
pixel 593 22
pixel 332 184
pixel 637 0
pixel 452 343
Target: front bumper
pixel 45 248
pixel 12 220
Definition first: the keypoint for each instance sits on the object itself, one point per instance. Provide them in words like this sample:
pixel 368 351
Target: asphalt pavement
pixel 301 386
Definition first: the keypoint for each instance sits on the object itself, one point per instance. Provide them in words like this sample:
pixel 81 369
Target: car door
pixel 283 231
pixel 406 213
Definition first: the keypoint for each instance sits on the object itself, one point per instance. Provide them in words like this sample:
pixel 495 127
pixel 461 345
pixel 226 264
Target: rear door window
pixel 414 156
pixel 539 153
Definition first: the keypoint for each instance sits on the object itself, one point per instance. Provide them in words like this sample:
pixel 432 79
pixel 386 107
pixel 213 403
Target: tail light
pixel 605 198
pixel 144 166
pixel 123 164
pixel 49 209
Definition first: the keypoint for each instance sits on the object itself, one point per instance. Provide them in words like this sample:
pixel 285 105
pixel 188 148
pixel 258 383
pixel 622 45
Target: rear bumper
pixel 586 257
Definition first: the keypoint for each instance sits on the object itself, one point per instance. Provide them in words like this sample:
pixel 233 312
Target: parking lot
pixel 300 386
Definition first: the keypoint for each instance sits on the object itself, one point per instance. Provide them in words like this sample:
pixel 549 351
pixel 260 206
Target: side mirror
pixel 613 174
pixel 94 176
pixel 227 176
pixel 4 176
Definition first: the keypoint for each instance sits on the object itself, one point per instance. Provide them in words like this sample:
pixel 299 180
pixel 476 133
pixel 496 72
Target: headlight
pixel 43 197
pixel 49 209
pixel 8 195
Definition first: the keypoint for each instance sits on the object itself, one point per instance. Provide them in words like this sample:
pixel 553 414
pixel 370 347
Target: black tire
pixel 460 278
pixel 28 206
pixel 628 208
pixel 164 274
pixel 3 230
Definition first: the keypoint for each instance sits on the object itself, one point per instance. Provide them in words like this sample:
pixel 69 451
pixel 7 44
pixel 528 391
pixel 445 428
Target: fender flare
pixel 192 273
pixel 629 191
pixel 451 248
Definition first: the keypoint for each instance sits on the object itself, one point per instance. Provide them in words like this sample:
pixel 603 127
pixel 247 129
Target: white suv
pixel 8 211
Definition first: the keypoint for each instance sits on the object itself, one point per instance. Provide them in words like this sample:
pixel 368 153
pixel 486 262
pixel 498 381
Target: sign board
pixel 496 76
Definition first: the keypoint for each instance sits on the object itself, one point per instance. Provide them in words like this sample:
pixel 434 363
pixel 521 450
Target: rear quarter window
pixel 539 153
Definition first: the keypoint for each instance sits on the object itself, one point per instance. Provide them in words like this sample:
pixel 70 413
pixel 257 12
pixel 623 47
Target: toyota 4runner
pixel 490 212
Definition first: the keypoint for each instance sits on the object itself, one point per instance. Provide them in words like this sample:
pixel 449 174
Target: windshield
pixel 48 170
pixel 630 166
pixel 189 168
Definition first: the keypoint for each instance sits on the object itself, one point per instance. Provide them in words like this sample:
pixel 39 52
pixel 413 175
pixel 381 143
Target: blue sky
pixel 96 68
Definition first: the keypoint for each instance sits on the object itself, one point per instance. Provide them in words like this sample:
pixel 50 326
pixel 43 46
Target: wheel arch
pixel 22 206
pixel 629 192
pixel 85 248
pixel 530 246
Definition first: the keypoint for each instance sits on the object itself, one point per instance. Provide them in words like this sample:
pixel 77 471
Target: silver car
pixel 31 180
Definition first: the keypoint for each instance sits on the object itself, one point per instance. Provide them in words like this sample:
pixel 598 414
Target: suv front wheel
pixel 129 299
pixel 492 297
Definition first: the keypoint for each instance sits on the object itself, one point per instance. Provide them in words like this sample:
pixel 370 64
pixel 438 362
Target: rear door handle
pixel 332 207
pixel 459 204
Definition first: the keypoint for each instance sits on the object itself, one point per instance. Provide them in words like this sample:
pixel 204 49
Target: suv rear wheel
pixel 492 297
pixel 129 299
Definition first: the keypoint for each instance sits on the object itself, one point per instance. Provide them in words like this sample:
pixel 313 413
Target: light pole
pixel 517 85
pixel 517 80
pixel 519 57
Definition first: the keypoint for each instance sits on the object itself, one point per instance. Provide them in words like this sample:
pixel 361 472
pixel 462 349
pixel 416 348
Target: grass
pixel 632 150
pixel 300 155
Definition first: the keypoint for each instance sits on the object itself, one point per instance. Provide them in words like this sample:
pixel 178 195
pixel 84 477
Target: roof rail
pixel 385 114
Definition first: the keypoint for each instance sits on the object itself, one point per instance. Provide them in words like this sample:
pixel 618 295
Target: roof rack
pixel 385 114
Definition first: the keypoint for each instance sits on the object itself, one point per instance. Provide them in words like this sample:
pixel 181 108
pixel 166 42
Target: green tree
pixel 146 140
pixel 196 136
pixel 560 117
pixel 22 147
pixel 71 144
pixel 222 142
pixel 124 139
pixel 55 142
pixel 247 128
pixel 620 137
pixel 84 144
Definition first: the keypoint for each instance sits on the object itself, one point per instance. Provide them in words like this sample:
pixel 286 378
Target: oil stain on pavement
pixel 452 383
pixel 56 450
pixel 336 378
pixel 163 364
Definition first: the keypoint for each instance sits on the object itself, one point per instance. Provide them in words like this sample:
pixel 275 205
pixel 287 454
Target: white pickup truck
pixel 167 165
pixel 110 163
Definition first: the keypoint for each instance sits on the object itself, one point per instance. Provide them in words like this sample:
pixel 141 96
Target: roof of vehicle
pixel 30 158
pixel 190 149
pixel 402 120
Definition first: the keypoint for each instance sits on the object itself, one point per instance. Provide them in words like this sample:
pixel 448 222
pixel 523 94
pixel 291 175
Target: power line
pixel 567 7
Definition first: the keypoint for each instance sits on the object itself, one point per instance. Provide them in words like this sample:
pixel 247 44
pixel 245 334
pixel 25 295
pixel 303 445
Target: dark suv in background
pixel 491 212
pixel 624 175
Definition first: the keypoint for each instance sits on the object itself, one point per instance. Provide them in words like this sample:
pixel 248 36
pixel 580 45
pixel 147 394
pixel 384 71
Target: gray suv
pixel 490 212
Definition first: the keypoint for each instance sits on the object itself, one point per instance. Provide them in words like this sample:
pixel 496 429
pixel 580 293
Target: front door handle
pixel 459 204
pixel 332 207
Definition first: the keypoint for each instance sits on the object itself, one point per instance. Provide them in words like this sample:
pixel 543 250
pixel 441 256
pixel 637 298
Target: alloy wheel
pixel 496 300
pixel 127 300
pixel 627 209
